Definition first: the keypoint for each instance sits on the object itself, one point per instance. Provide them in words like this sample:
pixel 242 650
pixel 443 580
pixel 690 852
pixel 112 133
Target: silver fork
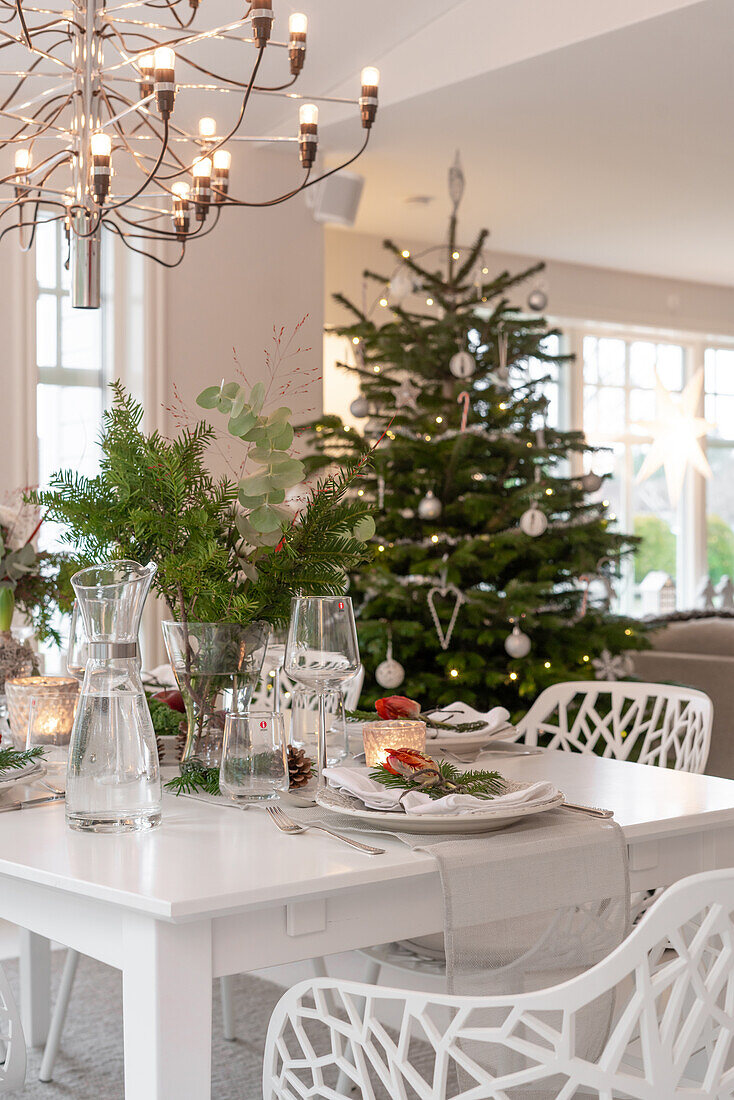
pixel 287 825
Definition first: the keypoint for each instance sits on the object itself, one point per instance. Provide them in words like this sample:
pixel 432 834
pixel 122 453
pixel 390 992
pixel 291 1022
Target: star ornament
pixel 676 436
pixel 406 395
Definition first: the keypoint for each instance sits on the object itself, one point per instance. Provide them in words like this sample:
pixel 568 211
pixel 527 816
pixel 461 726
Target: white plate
pixel 28 774
pixel 473 739
pixel 343 803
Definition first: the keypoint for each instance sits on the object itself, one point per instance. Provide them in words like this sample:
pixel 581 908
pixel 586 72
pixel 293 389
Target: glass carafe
pixel 113 778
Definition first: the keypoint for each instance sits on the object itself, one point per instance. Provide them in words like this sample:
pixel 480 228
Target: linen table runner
pixel 524 908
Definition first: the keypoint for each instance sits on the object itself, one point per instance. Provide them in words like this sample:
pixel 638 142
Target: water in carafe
pixel 113 777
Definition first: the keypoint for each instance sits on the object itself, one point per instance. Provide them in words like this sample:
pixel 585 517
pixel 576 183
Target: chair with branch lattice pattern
pixel 671 1036
pixel 12 1040
pixel 655 724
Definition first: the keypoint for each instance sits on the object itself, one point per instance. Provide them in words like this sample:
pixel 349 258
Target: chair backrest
pixel 262 698
pixel 648 723
pixel 13 1060
pixel 676 973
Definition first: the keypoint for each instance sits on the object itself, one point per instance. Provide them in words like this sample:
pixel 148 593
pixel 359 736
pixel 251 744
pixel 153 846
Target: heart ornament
pixel 442 591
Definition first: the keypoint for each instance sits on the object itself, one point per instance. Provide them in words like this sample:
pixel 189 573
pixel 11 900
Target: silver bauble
pixel 390 674
pixel 462 365
pixel 537 299
pixel 360 407
pixel 430 506
pixel 591 482
pixel 517 644
pixel 534 522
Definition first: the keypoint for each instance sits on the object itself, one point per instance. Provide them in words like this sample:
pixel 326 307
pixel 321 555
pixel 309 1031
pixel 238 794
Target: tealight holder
pixel 54 702
pixel 380 737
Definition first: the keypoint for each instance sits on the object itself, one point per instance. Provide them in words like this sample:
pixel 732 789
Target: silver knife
pixel 30 802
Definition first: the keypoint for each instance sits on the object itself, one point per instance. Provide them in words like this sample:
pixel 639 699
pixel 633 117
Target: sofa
pixel 698 652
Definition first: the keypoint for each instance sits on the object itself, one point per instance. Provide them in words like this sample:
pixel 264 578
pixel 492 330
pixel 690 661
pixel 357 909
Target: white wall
pixel 259 270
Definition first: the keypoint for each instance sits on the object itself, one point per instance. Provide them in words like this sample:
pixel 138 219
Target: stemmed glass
pixel 78 652
pixel 321 653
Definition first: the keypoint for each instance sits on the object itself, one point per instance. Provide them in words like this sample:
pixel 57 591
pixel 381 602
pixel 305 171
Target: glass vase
pixel 217 667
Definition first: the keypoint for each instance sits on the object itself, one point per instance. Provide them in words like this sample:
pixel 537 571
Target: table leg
pixel 35 987
pixel 167 1009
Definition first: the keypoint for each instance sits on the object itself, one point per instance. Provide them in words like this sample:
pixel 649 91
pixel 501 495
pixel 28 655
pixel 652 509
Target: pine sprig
pixel 11 759
pixel 195 778
pixel 480 784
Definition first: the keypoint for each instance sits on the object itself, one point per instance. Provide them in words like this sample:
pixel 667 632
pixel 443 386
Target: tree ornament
pixel 501 376
pixel 402 285
pixel 534 522
pixel 676 436
pixel 389 673
pixel 443 591
pixel 407 513
pixel 464 396
pixel 456 182
pixel 360 407
pixel 591 482
pixel 462 365
pixel 537 299
pixel 517 644
pixel 430 506
pixel 612 667
pixel 406 395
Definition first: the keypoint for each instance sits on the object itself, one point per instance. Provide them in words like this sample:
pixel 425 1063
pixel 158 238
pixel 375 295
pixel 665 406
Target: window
pixel 73 352
pixel 719 411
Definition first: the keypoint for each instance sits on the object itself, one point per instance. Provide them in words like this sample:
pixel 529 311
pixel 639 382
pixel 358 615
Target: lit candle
pixel 381 737
pixel 54 701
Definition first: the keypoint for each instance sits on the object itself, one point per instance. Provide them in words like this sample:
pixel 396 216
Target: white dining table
pixel 216 890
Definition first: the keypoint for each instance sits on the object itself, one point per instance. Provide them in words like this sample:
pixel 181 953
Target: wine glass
pixel 78 652
pixel 321 653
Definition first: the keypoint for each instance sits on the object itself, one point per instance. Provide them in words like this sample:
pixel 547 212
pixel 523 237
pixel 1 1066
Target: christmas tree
pixel 488 550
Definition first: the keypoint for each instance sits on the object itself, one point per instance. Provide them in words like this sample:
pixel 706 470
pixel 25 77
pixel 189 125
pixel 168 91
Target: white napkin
pixel 456 714
pixel 356 781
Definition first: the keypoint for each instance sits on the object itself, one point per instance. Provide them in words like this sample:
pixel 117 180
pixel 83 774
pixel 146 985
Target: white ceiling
pixel 617 150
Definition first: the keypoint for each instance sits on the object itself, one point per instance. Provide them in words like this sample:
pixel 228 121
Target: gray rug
pixel 90 1063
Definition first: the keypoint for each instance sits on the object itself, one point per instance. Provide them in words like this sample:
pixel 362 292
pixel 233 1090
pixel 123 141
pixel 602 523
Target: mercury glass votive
pixel 380 737
pixel 54 705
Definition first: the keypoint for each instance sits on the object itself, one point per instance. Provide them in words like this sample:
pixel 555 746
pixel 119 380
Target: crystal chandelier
pixel 97 104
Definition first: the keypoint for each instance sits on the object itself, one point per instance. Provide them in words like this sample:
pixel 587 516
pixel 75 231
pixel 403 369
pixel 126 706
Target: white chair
pixel 672 1035
pixel 648 723
pixel 12 1040
pixel 260 699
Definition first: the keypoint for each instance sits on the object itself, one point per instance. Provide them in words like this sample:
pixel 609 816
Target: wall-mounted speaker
pixel 335 200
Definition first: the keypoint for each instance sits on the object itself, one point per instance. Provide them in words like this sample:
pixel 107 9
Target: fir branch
pixel 479 784
pixel 195 778
pixel 11 759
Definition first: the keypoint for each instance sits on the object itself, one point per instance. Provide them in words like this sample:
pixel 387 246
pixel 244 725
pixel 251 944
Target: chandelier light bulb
pixel 146 64
pixel 308 133
pixel 297 27
pixel 101 149
pixel 221 164
pixel 165 87
pixel 262 21
pixel 202 172
pixel 308 114
pixel 180 209
pixel 207 128
pixel 22 161
pixel 101 144
pixel 368 99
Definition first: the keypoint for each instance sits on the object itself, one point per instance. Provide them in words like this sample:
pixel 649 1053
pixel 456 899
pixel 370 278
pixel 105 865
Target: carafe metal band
pixel 105 651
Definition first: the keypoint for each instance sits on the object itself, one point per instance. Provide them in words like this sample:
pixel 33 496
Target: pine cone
pixel 299 768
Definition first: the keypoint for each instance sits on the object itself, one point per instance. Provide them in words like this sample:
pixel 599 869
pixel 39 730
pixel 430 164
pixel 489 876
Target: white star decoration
pixel 675 436
pixel 406 394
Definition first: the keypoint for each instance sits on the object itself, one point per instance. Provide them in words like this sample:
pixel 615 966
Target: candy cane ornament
pixel 464 396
